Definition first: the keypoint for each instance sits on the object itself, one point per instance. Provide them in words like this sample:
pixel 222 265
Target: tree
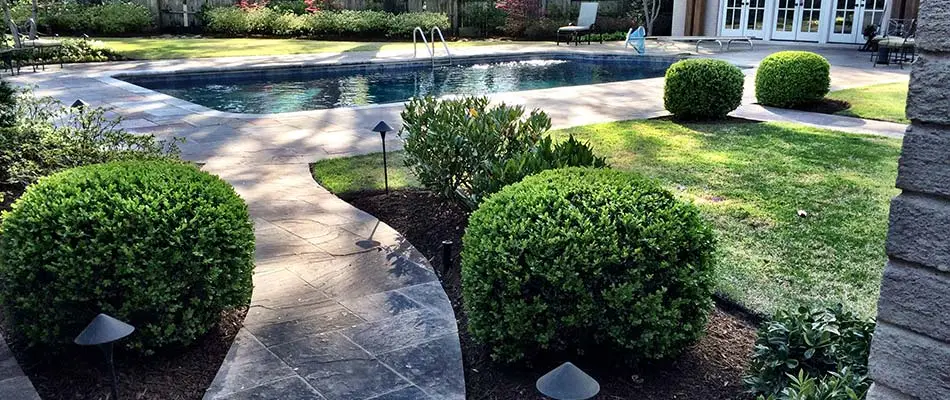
pixel 651 10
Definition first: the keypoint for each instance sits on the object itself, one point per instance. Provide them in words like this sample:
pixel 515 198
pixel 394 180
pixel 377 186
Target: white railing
pixel 415 51
pixel 417 32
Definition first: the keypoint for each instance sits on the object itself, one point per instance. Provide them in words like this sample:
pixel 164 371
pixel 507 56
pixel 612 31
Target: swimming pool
pixel 321 87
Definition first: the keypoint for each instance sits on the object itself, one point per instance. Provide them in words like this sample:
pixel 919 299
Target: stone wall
pixel 910 355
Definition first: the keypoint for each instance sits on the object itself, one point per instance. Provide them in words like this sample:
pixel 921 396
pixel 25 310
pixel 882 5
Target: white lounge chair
pixel 637 39
pixel 586 19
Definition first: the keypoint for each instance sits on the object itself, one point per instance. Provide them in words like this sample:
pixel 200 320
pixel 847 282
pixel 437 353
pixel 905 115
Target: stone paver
pixel 14 385
pixel 343 306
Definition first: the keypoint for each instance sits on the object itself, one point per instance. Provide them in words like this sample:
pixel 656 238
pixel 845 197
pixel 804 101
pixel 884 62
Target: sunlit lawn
pixel 167 48
pixel 750 180
pixel 882 102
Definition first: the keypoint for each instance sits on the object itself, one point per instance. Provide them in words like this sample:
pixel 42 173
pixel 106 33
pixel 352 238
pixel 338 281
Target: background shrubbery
pixel 702 89
pixel 579 259
pixel 158 244
pixel 349 23
pixel 792 79
pixel 811 354
pixel 71 17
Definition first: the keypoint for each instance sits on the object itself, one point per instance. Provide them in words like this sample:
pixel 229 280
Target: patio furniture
pixel 46 49
pixel 637 39
pixel 586 19
pixel 728 40
pixel 898 46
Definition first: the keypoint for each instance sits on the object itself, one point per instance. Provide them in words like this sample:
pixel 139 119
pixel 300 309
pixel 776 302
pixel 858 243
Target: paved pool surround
pixel 343 306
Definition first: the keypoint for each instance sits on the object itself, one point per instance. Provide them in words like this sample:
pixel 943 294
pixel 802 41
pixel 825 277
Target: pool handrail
pixel 441 38
pixel 415 52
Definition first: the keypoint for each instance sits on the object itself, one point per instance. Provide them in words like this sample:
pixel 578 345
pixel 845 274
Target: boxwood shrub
pixel 581 259
pixel 702 89
pixel 158 244
pixel 792 79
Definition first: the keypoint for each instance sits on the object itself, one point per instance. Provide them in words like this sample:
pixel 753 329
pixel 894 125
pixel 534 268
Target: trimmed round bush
pixel 702 89
pixel 582 259
pixel 792 79
pixel 160 245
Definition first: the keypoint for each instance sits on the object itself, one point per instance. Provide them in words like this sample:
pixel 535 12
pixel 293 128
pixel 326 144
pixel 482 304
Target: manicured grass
pixel 750 180
pixel 351 174
pixel 168 48
pixel 881 102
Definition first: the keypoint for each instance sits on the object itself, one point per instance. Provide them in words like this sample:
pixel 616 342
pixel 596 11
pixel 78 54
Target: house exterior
pixel 819 21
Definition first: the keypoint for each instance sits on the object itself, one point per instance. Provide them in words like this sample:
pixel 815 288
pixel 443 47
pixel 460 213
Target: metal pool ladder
pixel 418 32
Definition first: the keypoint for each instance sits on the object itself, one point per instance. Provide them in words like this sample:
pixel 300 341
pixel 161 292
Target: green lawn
pixel 167 48
pixel 881 102
pixel 750 180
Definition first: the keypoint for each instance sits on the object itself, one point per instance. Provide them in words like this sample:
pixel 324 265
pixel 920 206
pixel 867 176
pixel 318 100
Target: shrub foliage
pixel 45 136
pixel 702 89
pixel 792 79
pixel 583 258
pixel 449 142
pixel 799 351
pixel 111 17
pixel 158 244
pixel 366 23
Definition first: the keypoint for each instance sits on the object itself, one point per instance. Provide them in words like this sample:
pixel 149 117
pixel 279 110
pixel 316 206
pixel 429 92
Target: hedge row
pixel 265 21
pixel 72 17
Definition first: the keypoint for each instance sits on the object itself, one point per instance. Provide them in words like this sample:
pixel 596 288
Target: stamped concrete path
pixel 343 306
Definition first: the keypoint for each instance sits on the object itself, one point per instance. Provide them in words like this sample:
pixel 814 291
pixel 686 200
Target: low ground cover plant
pixel 238 21
pixel 158 244
pixel 45 136
pixel 792 79
pixel 698 89
pixel 578 259
pixel 466 149
pixel 812 354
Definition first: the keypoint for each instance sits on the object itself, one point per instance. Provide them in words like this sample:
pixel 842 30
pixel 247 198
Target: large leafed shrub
pixel 450 142
pixel 111 17
pixel 792 79
pixel 820 350
pixel 583 258
pixel 702 89
pixel 161 245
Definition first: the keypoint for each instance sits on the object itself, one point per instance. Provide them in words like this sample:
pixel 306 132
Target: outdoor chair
pixel 44 45
pixel 586 19
pixel 637 39
pixel 898 46
pixel 36 49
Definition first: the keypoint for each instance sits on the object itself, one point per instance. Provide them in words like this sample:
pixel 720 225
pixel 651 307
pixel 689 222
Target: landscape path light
pixel 567 382
pixel 382 127
pixel 103 331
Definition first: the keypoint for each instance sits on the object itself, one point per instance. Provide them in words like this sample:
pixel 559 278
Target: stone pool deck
pixel 343 306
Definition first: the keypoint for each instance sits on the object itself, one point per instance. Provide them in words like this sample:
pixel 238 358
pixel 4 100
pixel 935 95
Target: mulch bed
pixel 711 369
pixel 825 106
pixel 79 373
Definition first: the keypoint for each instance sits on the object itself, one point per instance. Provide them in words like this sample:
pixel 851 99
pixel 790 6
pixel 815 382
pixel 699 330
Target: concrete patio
pixel 344 307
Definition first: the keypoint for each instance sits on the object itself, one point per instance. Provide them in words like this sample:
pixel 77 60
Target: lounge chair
pixel 898 46
pixel 585 25
pixel 46 49
pixel 637 39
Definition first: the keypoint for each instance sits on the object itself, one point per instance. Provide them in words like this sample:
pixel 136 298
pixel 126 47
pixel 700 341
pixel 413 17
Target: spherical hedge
pixel 702 89
pixel 792 78
pixel 160 245
pixel 577 259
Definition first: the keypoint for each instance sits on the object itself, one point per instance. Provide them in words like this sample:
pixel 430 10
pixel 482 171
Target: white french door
pixel 797 20
pixel 851 16
pixel 744 18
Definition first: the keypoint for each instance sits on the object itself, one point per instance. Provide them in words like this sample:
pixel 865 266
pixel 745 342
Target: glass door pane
pixel 810 20
pixel 755 18
pixel 732 17
pixel 785 20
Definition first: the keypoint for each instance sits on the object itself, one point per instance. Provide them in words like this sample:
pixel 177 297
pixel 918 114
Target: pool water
pixel 298 89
